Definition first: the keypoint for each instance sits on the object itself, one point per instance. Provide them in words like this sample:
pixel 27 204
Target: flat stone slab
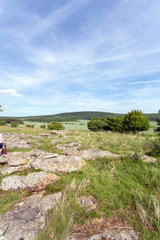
pixel 9 170
pixel 36 181
pixel 60 132
pixel 148 159
pixel 90 154
pixel 123 233
pixel 60 163
pixel 28 218
pixel 15 140
pixel 18 158
pixel 72 145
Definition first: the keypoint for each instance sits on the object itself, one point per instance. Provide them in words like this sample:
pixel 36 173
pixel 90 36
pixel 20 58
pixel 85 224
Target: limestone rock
pixel 36 181
pixel 10 170
pixel 18 158
pixel 87 202
pixel 60 132
pixel 90 154
pixel 73 145
pixel 123 233
pixel 45 134
pixel 148 159
pixel 60 163
pixel 28 218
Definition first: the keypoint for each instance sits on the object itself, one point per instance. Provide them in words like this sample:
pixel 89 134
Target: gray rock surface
pixel 15 140
pixel 59 163
pixel 60 132
pixel 36 181
pixel 28 218
pixel 148 159
pixel 112 234
pixel 90 154
pixel 87 202
pixel 73 145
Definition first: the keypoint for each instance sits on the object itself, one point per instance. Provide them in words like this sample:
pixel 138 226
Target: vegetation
pixel 55 126
pixel 131 122
pixel 14 124
pixel 3 123
pixel 30 125
pixel 75 116
pixel 126 188
pixel 158 125
pixel 43 126
pixel 135 122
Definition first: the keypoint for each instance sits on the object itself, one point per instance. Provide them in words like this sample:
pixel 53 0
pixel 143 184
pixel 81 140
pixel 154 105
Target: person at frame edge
pixel 1 143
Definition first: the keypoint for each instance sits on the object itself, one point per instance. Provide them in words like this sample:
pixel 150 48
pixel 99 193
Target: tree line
pixel 133 121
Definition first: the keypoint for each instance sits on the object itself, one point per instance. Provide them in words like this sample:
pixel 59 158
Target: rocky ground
pixel 28 216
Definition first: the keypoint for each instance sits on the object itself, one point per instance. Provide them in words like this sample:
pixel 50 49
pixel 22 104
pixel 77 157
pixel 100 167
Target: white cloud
pixel 145 82
pixel 10 92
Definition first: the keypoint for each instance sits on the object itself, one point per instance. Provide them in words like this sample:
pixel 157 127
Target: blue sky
pixel 79 55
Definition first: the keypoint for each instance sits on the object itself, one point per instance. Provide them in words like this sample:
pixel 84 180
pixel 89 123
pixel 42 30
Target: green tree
pixel 134 122
pixel 158 125
pixel 1 110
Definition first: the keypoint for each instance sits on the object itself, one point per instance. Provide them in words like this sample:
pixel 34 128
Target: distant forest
pixel 75 116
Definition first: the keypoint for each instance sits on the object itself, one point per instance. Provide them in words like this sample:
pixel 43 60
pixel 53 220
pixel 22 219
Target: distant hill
pixel 75 116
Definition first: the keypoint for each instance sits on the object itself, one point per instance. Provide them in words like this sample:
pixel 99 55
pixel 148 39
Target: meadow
pixel 81 125
pixel 125 189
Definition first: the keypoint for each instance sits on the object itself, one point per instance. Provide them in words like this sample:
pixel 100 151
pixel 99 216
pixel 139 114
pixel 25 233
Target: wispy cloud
pixel 145 82
pixel 82 52
pixel 10 92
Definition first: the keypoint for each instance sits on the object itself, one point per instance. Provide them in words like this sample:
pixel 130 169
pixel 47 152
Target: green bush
pixel 30 125
pixel 43 126
pixel 14 124
pixel 96 125
pixel 113 124
pixel 158 125
pixel 55 126
pixel 3 123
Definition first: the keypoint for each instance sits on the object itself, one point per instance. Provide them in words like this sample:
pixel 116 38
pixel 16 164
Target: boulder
pixel 36 181
pixel 59 163
pixel 29 217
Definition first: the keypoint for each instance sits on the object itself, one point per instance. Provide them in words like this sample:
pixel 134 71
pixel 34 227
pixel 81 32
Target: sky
pixel 79 55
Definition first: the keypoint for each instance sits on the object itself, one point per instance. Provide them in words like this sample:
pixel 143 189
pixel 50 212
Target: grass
pixel 123 187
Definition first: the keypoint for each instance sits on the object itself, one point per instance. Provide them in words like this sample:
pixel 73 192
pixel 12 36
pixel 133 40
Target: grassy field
pixel 82 125
pixel 125 188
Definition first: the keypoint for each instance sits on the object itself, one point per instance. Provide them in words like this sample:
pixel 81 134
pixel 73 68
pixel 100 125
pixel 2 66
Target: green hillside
pixel 74 116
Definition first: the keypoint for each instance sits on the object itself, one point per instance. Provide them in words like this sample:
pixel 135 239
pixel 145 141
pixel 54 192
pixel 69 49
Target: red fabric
pixel 5 150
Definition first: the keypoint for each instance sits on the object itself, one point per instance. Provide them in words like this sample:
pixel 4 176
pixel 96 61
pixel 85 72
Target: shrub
pixel 43 126
pixel 14 124
pixel 113 124
pixel 30 125
pixel 3 123
pixel 135 122
pixel 55 126
pixel 158 125
pixel 96 125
